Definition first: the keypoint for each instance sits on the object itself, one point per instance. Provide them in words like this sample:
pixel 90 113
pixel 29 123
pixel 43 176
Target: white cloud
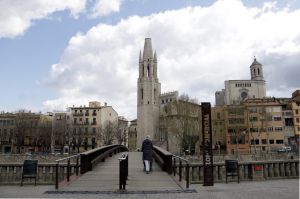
pixel 16 16
pixel 105 7
pixel 198 49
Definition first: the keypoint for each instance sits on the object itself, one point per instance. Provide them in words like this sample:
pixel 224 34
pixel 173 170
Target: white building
pixel 239 90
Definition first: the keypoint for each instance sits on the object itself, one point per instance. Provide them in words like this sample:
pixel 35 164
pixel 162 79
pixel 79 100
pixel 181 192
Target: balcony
pixel 94 114
pixel 94 123
pixel 78 114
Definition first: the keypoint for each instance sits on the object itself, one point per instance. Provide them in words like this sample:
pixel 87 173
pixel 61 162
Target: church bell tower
pixel 148 91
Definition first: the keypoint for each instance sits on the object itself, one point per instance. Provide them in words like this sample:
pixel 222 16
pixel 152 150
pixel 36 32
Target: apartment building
pixel 89 123
pixel 295 105
pixel 265 124
pixel 237 136
pixel 7 132
pixel 218 126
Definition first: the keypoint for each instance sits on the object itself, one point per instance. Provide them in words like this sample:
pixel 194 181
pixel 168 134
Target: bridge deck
pixel 105 177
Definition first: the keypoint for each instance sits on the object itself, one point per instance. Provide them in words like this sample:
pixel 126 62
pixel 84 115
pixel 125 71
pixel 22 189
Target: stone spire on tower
pixel 148 53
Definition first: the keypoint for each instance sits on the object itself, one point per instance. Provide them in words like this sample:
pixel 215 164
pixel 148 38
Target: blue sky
pixel 48 51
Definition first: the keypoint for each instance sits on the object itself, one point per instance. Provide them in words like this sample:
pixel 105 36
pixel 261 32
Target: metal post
pixel 56 175
pixel 174 167
pixel 180 170
pixel 77 165
pixel 187 175
pixel 120 175
pixel 68 170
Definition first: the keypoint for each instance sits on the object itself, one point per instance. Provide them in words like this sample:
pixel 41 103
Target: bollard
pixel 56 175
pixel 187 175
pixel 68 171
pixel 180 170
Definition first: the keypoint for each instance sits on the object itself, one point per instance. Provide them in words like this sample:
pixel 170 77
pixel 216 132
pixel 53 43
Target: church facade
pixel 237 91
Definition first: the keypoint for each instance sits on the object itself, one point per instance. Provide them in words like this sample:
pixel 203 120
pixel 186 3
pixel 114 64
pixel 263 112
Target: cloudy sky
pixel 54 53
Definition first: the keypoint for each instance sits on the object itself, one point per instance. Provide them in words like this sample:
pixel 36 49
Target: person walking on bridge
pixel 147 149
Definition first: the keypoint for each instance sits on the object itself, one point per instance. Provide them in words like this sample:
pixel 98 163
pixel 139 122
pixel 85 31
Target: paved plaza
pixel 273 189
pixel 102 182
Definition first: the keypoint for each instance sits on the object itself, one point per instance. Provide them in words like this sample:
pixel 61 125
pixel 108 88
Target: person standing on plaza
pixel 147 149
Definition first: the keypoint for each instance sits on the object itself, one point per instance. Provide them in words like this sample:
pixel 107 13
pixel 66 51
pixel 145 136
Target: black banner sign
pixel 207 145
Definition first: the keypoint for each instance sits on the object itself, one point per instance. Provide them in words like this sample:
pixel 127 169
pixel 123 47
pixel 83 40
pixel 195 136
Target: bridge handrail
pixel 163 158
pixel 187 169
pixel 77 156
pixel 90 158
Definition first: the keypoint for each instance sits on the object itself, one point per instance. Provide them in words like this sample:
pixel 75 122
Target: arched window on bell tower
pixel 142 94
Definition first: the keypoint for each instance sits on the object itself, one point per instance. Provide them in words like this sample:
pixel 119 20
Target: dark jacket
pixel 147 149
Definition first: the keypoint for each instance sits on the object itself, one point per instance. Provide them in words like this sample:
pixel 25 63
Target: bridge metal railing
pixel 92 157
pixel 180 166
pixel 167 161
pixel 60 168
pixel 123 171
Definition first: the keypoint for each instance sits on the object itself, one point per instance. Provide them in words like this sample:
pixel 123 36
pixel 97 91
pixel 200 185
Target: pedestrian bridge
pixel 105 177
pixel 100 172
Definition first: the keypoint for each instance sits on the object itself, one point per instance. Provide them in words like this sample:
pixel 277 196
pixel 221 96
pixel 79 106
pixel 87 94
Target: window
pixel 270 129
pixel 278 129
pixel 297 112
pixel 279 141
pixel 218 115
pixel 86 120
pixel 297 120
pixel 142 93
pixel 94 121
pixel 271 141
pixel 94 130
pixel 162 101
pixel 253 119
pixel 86 130
pixel 253 130
pixel 277 118
pixel 75 120
pixel 264 141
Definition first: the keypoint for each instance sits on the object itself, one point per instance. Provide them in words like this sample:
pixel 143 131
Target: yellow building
pixel 237 136
pixel 218 126
pixel 7 132
pixel 91 125
pixel 265 124
pixel 296 114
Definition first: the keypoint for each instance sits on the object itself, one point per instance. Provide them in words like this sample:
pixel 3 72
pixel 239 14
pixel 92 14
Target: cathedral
pixel 237 91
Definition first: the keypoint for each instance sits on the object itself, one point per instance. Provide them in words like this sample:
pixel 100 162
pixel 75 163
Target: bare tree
pixel 181 119
pixel 121 133
pixel 26 126
pixel 43 133
pixel 108 132
pixel 21 125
